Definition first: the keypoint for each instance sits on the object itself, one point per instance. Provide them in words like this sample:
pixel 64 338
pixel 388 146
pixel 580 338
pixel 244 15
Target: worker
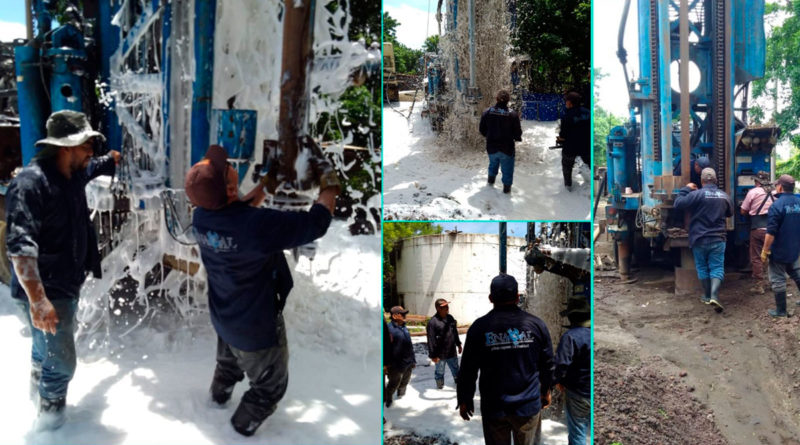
pixel 513 352
pixel 52 245
pixel 573 368
pixel 696 166
pixel 387 350
pixel 501 127
pixel 574 136
pixel 756 204
pixel 782 242
pixel 442 330
pixel 241 247
pixel 402 360
pixel 708 208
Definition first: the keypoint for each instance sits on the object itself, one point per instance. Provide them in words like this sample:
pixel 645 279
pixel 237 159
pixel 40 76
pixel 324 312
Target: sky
pixel 12 20
pixel 518 229
pixel 411 14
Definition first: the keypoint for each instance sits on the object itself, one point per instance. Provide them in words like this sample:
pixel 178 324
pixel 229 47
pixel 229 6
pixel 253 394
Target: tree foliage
pixel 555 34
pixel 394 232
pixel 431 44
pixel 783 67
pixel 604 121
pixel 406 59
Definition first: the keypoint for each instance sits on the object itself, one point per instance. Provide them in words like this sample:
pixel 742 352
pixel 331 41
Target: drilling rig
pixel 673 122
pixel 144 73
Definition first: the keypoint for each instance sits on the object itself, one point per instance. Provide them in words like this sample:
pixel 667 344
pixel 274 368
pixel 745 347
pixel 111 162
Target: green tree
pixel 603 123
pixel 555 34
pixel 783 67
pixel 394 232
pixel 431 44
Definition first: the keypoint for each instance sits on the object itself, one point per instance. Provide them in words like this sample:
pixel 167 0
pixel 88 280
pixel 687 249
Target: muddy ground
pixel 669 370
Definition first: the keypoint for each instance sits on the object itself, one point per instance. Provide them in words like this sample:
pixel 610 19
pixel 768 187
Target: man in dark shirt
pixel 513 352
pixel 782 243
pixel 443 339
pixel 401 358
pixel 574 136
pixel 573 376
pixel 249 280
pixel 52 245
pixel 501 127
pixel 708 207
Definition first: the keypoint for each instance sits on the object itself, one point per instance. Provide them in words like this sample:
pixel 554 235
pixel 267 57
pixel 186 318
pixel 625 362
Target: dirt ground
pixel 669 370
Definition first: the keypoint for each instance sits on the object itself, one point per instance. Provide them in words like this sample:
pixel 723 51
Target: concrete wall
pixel 456 267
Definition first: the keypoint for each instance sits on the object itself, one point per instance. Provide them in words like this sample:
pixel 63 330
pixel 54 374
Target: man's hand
pixel 692 185
pixel 435 360
pixel 116 155
pixel 460 349
pixel 559 140
pixel 764 255
pixel 465 411
pixel 546 400
pixel 43 316
pixel 560 387
pixel 327 197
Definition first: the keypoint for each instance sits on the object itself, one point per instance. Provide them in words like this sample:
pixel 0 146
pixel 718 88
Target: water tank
pixel 456 267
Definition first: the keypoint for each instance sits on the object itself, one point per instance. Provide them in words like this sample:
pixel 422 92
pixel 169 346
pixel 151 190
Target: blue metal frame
pixel 166 75
pixel 202 88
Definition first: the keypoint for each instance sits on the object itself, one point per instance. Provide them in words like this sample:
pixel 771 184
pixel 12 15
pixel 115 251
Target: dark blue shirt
pixel 48 219
pixel 501 128
pixel 576 132
pixel 248 277
pixel 709 206
pixel 513 351
pixel 573 361
pixel 402 353
pixel 783 222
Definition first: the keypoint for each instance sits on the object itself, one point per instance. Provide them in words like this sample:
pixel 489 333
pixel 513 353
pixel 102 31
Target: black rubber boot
pixel 506 188
pixel 51 414
pixel 221 391
pixel 780 304
pixel 490 181
pixel 706 298
pixel 716 283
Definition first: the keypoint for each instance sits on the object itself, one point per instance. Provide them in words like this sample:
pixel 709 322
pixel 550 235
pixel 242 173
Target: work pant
pixel 525 430
pixel 398 381
pixel 710 260
pixel 500 160
pixel 567 163
pixel 53 355
pixel 268 372
pixel 778 272
pixel 579 413
pixel 452 363
pixel 756 244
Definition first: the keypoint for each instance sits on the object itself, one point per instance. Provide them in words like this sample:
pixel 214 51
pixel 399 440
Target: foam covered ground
pixel 426 178
pixel 151 387
pixel 427 411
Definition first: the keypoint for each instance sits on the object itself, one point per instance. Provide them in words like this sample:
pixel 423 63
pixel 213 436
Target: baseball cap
pixel 785 181
pixel 441 302
pixel 205 182
pixel 708 175
pixel 398 310
pixel 703 162
pixel 503 288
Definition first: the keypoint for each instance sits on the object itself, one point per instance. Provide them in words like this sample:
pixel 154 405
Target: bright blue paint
pixel 33 106
pixel 109 42
pixel 236 131
pixel 202 88
pixel 166 72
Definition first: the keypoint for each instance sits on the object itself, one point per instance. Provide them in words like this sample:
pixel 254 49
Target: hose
pixel 622 54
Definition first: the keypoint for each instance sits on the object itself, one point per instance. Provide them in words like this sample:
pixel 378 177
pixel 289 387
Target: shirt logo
pixel 213 240
pixel 795 208
pixel 510 339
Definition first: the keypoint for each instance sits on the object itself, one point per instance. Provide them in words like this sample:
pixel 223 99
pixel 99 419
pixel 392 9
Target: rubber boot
pixel 706 298
pixel 780 304
pixel 51 414
pixel 506 188
pixel 440 383
pixel 490 181
pixel 221 392
pixel 716 283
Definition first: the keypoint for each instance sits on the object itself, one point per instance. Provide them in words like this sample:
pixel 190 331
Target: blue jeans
pixel 710 260
pixel 778 272
pixel 504 161
pixel 53 354
pixel 452 362
pixel 579 413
